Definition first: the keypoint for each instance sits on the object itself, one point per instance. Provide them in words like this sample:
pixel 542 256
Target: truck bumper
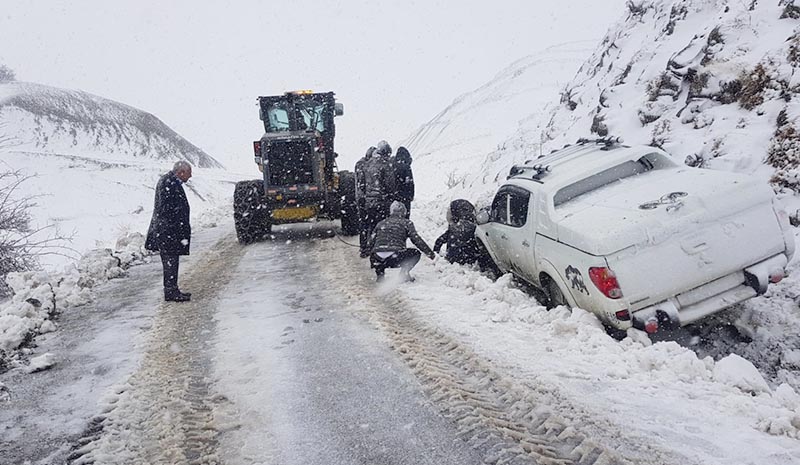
pixel 293 214
pixel 710 298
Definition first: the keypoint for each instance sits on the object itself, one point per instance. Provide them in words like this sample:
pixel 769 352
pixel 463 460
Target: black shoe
pixel 364 254
pixel 177 296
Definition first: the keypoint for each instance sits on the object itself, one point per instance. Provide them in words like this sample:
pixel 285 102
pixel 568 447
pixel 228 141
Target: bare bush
pixel 6 74
pixel 21 245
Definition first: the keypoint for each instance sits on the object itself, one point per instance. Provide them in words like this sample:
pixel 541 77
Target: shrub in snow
pixel 38 297
pixel 6 74
pixel 20 243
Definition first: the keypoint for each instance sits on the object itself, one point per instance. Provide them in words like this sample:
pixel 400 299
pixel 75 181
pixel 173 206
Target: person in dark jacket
pixel 404 178
pixel 363 233
pixel 170 232
pixel 462 245
pixel 379 187
pixel 388 244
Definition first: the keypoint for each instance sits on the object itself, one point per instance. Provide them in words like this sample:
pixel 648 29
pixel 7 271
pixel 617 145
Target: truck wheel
pixel 349 222
pixel 554 295
pixel 250 215
pixel 348 205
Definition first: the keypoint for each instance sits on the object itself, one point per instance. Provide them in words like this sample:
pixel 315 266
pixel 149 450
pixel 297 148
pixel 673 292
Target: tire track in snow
pixel 508 422
pixel 164 413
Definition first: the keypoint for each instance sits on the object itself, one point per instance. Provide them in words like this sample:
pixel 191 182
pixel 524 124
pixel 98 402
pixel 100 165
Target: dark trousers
pixel 374 213
pixel 363 230
pixel 170 263
pixel 405 259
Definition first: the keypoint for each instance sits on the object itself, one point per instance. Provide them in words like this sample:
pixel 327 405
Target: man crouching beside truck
pixel 388 244
pixel 170 232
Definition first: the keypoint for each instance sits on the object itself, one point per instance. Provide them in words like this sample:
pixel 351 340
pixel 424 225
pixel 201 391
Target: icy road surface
pixel 289 353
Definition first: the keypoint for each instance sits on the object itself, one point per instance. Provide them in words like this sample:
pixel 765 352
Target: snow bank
pixel 738 372
pixel 570 349
pixel 38 297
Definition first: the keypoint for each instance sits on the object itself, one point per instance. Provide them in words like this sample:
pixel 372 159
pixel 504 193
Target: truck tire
pixel 555 296
pixel 250 215
pixel 348 204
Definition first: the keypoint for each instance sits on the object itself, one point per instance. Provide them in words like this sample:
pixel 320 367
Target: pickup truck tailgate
pixel 650 273
pixel 660 245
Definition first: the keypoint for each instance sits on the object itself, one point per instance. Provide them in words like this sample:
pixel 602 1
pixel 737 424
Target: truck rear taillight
pixel 623 315
pixel 257 148
pixel 606 281
pixel 651 325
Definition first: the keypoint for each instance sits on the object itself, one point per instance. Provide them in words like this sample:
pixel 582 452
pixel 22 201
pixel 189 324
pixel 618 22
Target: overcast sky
pixel 199 65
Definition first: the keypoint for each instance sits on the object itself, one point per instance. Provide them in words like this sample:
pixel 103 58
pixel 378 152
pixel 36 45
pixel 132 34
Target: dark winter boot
pixel 176 296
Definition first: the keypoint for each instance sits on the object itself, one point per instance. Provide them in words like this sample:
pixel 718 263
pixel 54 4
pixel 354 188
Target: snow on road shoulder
pixel 38 297
pixel 718 411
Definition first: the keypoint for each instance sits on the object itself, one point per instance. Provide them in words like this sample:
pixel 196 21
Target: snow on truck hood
pixel 611 218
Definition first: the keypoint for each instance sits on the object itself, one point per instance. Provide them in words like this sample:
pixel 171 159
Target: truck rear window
pixel 615 174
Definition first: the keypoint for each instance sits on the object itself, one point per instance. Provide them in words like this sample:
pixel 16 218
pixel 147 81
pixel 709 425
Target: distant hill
pixel 93 163
pixel 38 118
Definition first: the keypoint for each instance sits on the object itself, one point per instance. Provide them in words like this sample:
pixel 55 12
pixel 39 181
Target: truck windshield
pixel 277 117
pixel 312 113
pixel 309 115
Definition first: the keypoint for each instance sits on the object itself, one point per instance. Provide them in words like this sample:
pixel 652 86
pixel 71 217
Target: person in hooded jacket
pixel 404 178
pixel 170 232
pixel 462 245
pixel 361 185
pixel 388 244
pixel 379 187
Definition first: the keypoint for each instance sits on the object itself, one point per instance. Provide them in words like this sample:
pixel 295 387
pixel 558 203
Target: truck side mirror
pixel 482 217
pixel 338 109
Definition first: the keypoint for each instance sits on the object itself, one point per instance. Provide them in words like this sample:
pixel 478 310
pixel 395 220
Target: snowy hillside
pixel 37 118
pixel 454 144
pixel 94 163
pixel 713 82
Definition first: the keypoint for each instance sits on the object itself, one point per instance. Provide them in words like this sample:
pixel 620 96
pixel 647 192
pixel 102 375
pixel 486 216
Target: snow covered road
pixel 289 353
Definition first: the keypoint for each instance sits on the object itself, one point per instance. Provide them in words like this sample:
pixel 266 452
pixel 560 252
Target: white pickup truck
pixel 627 233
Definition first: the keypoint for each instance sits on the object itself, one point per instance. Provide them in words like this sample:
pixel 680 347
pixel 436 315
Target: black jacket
pixel 462 245
pixel 170 232
pixel 379 180
pixel 361 183
pixel 390 235
pixel 404 177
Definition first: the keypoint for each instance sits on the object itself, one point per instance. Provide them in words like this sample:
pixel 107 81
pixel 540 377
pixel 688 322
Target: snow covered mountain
pixel 94 163
pixel 37 118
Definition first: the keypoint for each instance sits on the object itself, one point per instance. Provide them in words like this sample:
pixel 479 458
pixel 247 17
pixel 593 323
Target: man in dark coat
pixel 379 187
pixel 388 244
pixel 404 178
pixel 361 186
pixel 462 245
pixel 170 232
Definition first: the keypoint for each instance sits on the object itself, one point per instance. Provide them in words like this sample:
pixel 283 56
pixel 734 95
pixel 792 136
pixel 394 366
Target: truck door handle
pixel 526 243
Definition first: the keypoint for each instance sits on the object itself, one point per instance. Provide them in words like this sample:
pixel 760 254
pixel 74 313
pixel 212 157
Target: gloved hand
pixel 432 255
